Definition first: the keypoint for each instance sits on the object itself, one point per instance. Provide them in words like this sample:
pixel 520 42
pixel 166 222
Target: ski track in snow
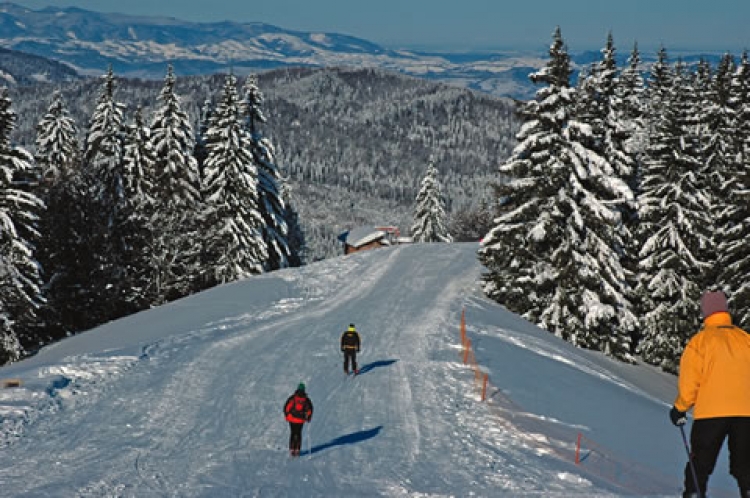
pixel 198 412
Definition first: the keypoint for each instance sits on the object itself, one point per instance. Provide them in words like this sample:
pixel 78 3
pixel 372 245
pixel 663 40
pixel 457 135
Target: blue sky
pixel 717 25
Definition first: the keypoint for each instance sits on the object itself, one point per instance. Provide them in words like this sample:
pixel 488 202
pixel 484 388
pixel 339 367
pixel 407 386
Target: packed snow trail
pixel 186 400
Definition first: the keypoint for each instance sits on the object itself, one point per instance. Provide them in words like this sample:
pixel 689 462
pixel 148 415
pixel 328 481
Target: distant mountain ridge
pixel 20 68
pixel 139 46
pixel 142 46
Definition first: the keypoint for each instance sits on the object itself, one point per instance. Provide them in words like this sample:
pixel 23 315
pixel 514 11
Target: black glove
pixel 678 418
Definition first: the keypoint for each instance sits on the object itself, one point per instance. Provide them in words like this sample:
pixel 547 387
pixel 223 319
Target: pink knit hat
pixel 713 302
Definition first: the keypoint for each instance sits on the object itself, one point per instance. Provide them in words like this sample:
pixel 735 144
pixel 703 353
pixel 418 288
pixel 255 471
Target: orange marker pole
pixel 463 326
pixel 484 387
pixel 578 450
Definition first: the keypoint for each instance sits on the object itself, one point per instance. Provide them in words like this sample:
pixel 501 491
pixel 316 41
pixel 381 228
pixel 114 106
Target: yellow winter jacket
pixel 715 371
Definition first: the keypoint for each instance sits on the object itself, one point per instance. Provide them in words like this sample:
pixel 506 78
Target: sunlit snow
pixel 185 400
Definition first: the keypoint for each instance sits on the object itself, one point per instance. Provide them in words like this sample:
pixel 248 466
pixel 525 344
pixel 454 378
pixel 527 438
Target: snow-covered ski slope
pixel 186 400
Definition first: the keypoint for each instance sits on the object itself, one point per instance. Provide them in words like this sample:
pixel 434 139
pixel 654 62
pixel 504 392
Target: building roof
pixel 360 236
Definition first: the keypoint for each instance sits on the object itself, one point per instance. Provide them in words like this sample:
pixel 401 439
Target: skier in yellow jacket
pixel 714 381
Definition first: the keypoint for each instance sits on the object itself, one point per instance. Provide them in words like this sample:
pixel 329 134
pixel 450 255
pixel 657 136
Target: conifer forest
pixel 605 205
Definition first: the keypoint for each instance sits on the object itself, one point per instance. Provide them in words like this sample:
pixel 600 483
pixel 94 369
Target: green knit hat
pixel 301 386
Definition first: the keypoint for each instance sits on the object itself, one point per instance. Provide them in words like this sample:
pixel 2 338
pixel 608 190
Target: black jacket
pixel 350 340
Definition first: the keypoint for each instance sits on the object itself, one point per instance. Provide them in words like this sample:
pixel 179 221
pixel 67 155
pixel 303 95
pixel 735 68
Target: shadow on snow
pixel 375 364
pixel 354 437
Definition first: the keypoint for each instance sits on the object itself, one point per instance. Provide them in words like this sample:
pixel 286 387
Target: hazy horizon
pixel 478 25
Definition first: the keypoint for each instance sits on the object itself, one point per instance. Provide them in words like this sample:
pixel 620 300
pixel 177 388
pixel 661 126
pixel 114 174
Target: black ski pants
pixel 295 436
pixel 706 439
pixel 350 355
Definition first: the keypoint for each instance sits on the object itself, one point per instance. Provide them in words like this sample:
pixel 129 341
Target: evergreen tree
pixel 274 229
pixel 516 251
pixel 234 246
pixel 675 224
pixel 555 247
pixel 734 252
pixel 629 115
pixel 715 127
pixel 603 169
pixel 133 223
pixel 102 151
pixel 429 213
pixel 201 134
pixel 176 250
pixel 58 157
pixel 20 278
pixel 56 141
pixel 102 185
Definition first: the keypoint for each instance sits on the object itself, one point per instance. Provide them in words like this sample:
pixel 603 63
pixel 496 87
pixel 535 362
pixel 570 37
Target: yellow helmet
pixel 351 327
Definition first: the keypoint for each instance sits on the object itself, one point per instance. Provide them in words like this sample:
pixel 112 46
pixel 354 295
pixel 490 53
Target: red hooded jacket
pixel 298 408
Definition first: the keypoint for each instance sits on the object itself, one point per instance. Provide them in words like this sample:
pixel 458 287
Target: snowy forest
pixel 124 194
pixel 605 205
pixel 625 198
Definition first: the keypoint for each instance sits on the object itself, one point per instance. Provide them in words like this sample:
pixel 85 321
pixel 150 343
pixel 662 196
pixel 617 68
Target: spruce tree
pixel 555 248
pixel 734 252
pixel 675 224
pixel 204 122
pixel 20 278
pixel 101 177
pixel 134 217
pixel 57 150
pixel 516 251
pixel 430 220
pixel 234 246
pixel 628 114
pixel 58 157
pixel 271 203
pixel 177 249
pixel 715 123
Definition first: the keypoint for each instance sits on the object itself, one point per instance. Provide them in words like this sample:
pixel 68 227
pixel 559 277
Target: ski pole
pixel 690 460
pixel 309 441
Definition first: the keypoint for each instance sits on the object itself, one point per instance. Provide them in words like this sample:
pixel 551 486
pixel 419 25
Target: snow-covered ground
pixel 186 400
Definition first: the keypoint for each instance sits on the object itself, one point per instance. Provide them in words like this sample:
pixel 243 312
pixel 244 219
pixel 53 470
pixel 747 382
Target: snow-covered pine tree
pixel 734 251
pixel 133 221
pixel 102 149
pixel 600 196
pixel 675 221
pixel 58 157
pixel 57 150
pixel 233 243
pixel 629 115
pixel 275 230
pixel 101 177
pixel 20 278
pixel 430 219
pixel 631 93
pixel 517 250
pixel 715 123
pixel 555 247
pixel 204 121
pixel 177 246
